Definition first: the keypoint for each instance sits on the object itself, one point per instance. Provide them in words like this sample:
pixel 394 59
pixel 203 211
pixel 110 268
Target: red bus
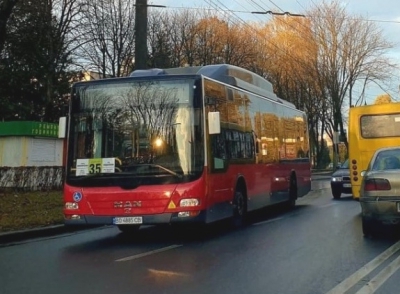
pixel 191 144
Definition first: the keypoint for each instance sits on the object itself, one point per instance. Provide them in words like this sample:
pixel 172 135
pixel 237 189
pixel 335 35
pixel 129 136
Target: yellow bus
pixel 370 128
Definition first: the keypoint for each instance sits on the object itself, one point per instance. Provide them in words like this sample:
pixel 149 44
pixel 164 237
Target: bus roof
pixel 376 108
pixel 226 73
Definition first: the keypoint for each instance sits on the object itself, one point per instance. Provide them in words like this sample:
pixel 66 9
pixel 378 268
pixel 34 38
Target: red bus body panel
pixel 212 189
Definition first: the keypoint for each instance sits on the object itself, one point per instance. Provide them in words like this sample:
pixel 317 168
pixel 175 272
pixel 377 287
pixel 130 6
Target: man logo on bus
pixel 137 203
pixel 129 204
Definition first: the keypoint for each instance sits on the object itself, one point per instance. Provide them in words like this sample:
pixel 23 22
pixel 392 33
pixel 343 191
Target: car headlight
pixel 336 179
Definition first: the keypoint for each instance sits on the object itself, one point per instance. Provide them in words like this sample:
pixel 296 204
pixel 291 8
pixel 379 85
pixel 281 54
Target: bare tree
pixel 62 16
pixel 349 50
pixel 109 35
pixel 172 37
pixel 210 43
pixel 181 38
pixel 189 31
pixel 159 39
pixel 37 57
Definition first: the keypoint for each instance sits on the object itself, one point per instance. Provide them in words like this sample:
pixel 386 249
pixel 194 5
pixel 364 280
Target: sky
pixel 385 13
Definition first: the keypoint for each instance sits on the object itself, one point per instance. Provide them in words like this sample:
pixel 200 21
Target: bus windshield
pixel 135 128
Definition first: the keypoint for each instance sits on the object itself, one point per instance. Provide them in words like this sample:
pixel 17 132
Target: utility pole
pixel 141 34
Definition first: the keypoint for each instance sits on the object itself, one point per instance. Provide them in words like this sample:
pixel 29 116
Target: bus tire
pixel 128 229
pixel 292 191
pixel 239 209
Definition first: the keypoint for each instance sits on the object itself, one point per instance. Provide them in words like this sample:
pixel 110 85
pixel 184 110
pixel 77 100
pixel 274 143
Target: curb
pixel 22 235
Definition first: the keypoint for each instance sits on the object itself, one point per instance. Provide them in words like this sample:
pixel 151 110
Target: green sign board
pixel 28 128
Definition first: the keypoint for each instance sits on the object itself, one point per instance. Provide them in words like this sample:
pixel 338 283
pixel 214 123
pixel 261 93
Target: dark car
pixel 340 181
pixel 380 190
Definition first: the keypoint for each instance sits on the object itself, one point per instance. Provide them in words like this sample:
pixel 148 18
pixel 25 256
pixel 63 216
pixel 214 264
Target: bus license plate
pixel 127 220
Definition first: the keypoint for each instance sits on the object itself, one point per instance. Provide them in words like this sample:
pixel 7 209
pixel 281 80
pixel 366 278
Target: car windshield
pixel 345 164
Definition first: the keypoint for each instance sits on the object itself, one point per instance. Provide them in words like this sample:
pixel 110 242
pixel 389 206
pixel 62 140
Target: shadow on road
pixel 178 234
pixel 345 198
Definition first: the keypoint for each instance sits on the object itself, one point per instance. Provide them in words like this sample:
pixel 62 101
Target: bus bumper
pixel 166 218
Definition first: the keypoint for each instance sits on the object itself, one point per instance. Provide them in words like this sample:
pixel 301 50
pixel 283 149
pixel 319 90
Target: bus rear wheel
pixel 239 209
pixel 292 192
pixel 129 229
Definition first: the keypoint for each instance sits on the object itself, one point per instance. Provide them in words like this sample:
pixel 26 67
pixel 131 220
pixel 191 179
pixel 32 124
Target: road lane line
pixel 268 221
pixel 380 278
pixel 168 274
pixel 365 270
pixel 148 253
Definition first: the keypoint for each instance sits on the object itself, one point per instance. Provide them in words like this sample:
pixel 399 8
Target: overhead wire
pixel 258 17
pixel 293 14
pixel 327 40
pixel 211 2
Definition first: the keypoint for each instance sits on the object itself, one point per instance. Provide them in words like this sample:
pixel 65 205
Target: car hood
pixel 341 172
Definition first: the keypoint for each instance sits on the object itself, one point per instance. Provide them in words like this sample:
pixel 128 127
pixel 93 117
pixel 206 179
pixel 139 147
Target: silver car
pixel 380 190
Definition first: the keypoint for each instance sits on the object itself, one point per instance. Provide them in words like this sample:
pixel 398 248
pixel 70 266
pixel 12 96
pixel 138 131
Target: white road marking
pixel 169 274
pixel 137 256
pixel 380 278
pixel 268 221
pixel 365 270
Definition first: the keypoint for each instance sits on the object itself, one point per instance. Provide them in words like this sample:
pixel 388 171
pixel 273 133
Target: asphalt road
pixel 317 247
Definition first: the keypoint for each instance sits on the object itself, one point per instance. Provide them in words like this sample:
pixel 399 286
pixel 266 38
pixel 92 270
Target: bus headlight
pixel 189 202
pixel 71 205
pixel 72 217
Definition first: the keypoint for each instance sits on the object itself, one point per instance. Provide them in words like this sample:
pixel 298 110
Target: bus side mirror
pixel 62 127
pixel 214 123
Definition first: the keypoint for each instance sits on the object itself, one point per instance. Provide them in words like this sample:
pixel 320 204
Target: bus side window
pixel 255 141
pixel 219 151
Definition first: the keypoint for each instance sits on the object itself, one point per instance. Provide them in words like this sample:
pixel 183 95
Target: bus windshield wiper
pixel 152 170
pixel 101 175
pixel 168 170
